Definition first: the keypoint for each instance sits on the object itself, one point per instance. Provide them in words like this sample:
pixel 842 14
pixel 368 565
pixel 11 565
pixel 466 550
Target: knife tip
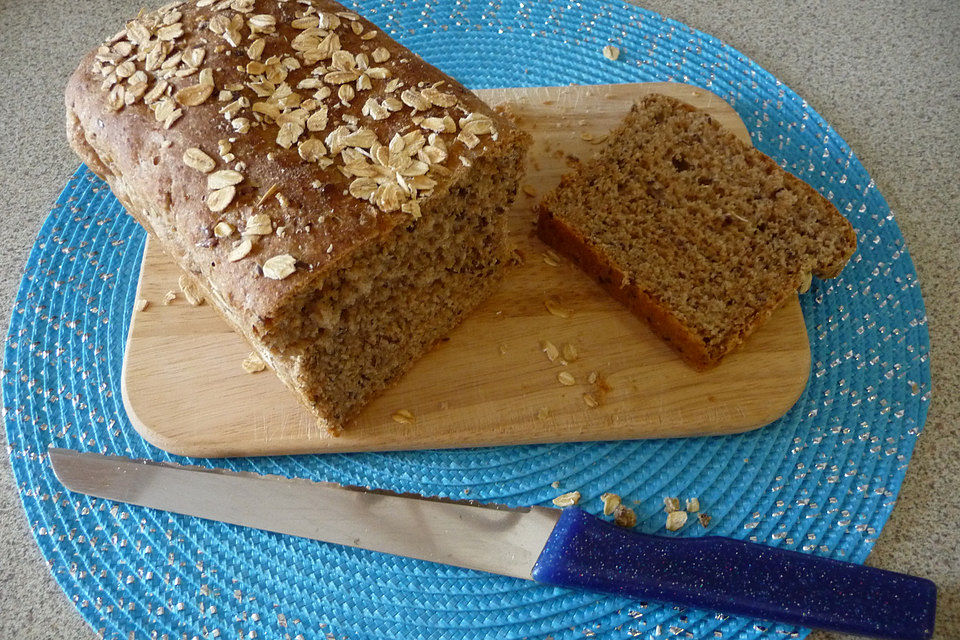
pixel 60 463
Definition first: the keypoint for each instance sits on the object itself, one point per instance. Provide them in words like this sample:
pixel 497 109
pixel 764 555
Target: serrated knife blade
pixel 568 548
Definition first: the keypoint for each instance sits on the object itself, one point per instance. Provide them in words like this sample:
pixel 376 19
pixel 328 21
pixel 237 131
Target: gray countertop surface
pixel 884 73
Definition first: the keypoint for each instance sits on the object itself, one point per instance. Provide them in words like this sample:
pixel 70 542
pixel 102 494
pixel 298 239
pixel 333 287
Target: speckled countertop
pixel 884 73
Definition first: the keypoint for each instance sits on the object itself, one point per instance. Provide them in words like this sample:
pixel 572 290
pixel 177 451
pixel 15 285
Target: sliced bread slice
pixel 693 230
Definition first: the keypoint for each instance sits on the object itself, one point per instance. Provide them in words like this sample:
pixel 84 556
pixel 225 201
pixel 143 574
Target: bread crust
pixel 143 161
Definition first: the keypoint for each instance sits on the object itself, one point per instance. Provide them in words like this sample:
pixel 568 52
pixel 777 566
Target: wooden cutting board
pixel 490 384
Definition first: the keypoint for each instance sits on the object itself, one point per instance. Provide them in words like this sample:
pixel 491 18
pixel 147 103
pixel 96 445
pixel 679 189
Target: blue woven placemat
pixel 822 479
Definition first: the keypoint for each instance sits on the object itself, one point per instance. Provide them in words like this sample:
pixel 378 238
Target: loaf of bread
pixel 339 201
pixel 693 230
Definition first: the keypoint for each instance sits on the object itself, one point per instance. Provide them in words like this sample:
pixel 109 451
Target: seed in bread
pixel 342 225
pixel 692 229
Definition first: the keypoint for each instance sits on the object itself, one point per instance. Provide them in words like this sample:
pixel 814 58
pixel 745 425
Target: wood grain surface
pixel 490 383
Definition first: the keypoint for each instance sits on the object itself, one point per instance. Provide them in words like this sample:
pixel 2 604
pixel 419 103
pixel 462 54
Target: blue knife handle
pixel 736 577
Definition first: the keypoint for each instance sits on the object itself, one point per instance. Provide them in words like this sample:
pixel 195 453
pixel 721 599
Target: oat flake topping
pixel 298 90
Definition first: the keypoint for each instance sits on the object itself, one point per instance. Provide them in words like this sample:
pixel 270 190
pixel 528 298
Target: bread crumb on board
pixel 551 258
pixel 550 349
pixel 141 304
pixel 190 291
pixel 564 356
pixel 169 297
pixel 403 416
pixel 555 308
pixel 253 363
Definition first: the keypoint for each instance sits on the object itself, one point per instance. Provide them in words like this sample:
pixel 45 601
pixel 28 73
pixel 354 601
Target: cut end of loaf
pixel 362 326
pixel 696 232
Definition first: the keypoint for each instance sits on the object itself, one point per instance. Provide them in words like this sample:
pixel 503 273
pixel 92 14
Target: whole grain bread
pixel 340 202
pixel 693 230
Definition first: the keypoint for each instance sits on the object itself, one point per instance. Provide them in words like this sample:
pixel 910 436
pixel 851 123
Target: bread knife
pixel 566 548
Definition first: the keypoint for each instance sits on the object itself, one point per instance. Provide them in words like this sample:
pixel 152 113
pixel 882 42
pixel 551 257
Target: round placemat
pixel 821 480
